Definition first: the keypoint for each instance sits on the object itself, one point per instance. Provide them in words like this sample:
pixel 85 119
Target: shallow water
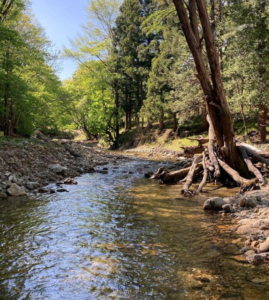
pixel 120 236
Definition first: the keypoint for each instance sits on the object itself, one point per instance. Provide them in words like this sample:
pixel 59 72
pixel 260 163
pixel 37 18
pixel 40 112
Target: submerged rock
pixel 214 203
pixel 16 190
pixel 231 249
pixel 62 190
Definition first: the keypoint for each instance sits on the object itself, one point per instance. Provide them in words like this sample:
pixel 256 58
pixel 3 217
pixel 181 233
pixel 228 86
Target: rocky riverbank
pixel 250 214
pixel 29 165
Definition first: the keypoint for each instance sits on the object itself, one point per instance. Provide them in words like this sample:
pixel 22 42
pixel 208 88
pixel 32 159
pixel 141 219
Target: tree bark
pixel 203 182
pixel 129 120
pixel 126 121
pixel 211 84
pixel 176 176
pixel 117 105
pixel 175 122
pixel 250 166
pixel 161 122
pixel 211 151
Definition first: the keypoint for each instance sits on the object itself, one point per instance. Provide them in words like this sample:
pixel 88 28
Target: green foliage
pixel 89 99
pixel 29 88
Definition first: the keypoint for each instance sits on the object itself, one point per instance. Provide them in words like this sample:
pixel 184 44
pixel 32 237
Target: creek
pixel 120 236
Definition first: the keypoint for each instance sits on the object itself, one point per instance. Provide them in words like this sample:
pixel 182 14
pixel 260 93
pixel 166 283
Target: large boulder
pixel 214 203
pixel 57 169
pixel 16 190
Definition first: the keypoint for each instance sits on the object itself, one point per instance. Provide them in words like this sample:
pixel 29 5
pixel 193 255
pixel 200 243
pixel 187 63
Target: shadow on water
pixel 118 236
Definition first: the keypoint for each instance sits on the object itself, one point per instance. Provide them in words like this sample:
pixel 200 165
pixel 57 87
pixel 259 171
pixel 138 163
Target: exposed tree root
pixel 257 156
pixel 211 150
pixel 250 166
pixel 203 182
pixel 189 178
pixel 254 149
pixel 175 176
pixel 215 168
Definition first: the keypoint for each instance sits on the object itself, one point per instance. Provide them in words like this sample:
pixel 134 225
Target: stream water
pixel 120 236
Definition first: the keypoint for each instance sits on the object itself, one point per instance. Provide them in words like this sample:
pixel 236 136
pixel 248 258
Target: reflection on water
pixel 119 236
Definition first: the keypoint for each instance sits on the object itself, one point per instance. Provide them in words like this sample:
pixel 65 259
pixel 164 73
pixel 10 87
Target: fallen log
pixel 176 176
pixel 250 166
pixel 189 178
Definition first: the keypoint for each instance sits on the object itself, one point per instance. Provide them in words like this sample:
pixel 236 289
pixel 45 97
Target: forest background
pixel 135 71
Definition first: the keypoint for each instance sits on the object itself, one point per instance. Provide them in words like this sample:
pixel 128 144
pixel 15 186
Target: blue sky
pixel 62 20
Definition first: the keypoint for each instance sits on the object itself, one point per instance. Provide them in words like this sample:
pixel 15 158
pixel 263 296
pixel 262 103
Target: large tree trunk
pixel 126 120
pixel 211 82
pixel 117 105
pixel 175 122
pixel 204 125
pixel 130 120
pixel 161 122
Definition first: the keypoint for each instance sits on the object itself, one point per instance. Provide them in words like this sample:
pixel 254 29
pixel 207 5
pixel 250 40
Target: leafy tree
pixel 29 87
pixel 97 43
pixel 89 100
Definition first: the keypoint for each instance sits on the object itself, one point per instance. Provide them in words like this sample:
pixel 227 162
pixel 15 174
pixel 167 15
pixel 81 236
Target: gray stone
pixel 244 250
pixel 3 195
pixel 227 208
pixel 12 178
pixel 248 202
pixel 214 203
pixel 7 184
pixel 57 169
pixel 16 190
pixel 32 185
